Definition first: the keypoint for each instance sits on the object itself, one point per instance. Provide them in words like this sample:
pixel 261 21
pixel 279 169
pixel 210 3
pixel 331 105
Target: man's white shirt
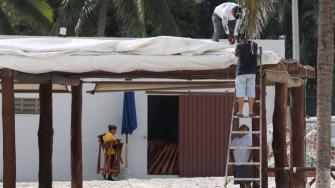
pixel 224 11
pixel 242 155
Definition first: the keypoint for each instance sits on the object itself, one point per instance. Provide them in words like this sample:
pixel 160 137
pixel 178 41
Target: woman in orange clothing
pixel 109 140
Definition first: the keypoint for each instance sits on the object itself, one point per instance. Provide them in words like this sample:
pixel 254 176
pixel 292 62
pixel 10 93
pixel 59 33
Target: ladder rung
pixel 247 179
pixel 245 163
pixel 246 132
pixel 256 101
pixel 243 117
pixel 255 147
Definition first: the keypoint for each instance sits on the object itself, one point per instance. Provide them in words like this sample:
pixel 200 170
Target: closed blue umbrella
pixel 129 120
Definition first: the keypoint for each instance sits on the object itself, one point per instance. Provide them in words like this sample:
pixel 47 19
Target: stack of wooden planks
pixel 162 157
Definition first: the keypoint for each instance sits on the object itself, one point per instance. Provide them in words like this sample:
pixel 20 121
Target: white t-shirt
pixel 225 12
pixel 242 155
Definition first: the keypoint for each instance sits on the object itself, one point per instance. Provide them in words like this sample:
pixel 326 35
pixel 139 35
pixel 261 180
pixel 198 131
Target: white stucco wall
pixel 98 111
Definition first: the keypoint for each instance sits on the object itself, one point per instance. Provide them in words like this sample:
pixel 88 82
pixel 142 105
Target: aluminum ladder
pixel 259 116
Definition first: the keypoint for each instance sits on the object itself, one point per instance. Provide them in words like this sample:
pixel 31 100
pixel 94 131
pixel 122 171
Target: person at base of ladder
pixel 227 17
pixel 242 156
pixel 109 140
pixel 246 71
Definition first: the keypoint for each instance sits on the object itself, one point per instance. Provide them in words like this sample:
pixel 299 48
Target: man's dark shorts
pixel 242 172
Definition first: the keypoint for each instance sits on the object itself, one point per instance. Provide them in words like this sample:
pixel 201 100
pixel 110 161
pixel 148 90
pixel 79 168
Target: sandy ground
pixel 150 183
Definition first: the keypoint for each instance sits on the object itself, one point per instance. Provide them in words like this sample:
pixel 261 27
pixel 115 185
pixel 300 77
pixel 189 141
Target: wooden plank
pixel 297 135
pixel 45 136
pixel 76 138
pixel 8 124
pixel 169 159
pixel 173 162
pixel 188 137
pixel 199 136
pixel 216 136
pixel 161 163
pixel 212 136
pixel 225 138
pixel 279 133
pixel 181 143
pixel 208 135
pixel 157 160
pixel 45 78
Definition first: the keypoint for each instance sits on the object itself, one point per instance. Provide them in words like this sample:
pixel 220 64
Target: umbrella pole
pixel 126 151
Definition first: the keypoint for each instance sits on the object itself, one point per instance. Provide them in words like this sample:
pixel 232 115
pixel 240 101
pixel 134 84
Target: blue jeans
pixel 218 28
pixel 245 85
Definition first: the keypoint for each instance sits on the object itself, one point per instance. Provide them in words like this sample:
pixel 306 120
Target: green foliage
pixel 159 20
pixel 5 25
pixel 186 14
pixel 130 16
pixel 37 14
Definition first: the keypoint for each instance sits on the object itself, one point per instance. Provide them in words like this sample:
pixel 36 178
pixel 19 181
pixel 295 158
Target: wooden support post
pixel 255 138
pixel 76 140
pixel 264 136
pixel 8 122
pixel 45 136
pixel 297 179
pixel 279 133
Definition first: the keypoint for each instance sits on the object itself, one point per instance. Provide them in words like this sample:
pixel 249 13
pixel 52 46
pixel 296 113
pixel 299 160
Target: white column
pixel 295 30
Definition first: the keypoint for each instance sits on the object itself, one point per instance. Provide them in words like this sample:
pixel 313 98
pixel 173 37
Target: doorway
pixel 163 131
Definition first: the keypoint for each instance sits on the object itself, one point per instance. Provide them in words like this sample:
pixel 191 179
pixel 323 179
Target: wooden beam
pixel 298 130
pixel 283 77
pixel 291 67
pixel 279 133
pixel 45 136
pixel 296 169
pixel 45 78
pixel 76 138
pixel 8 123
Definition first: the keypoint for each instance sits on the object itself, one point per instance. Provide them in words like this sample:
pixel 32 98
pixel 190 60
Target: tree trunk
pixel 103 8
pixel 324 91
pixel 45 136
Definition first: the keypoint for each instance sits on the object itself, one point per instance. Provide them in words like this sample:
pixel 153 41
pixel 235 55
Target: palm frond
pixel 72 13
pixel 5 25
pixel 87 22
pixel 37 12
pixel 257 15
pixel 130 16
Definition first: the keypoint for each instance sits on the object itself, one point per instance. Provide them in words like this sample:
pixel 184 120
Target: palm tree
pixel 85 16
pixel 37 13
pixel 257 15
pixel 325 60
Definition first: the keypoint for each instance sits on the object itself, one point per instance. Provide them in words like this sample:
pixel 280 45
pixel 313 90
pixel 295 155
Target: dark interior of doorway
pixel 163 112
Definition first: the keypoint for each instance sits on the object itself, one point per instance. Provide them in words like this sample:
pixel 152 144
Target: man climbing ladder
pixel 241 146
pixel 246 71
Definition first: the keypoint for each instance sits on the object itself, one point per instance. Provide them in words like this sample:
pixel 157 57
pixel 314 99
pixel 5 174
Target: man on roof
pixel 227 20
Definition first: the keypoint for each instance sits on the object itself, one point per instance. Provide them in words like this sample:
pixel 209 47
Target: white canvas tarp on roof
pixel 158 54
